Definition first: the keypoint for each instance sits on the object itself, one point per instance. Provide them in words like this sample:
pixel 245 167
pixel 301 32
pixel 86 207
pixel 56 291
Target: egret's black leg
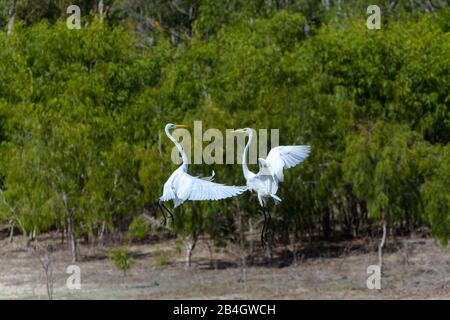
pixel 164 222
pixel 263 231
pixel 269 218
pixel 170 212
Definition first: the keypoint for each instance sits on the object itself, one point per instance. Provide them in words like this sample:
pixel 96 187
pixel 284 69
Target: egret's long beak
pixel 238 131
pixel 180 126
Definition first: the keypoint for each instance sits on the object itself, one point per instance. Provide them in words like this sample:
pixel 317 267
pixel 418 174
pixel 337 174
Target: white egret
pixel 265 182
pixel 181 186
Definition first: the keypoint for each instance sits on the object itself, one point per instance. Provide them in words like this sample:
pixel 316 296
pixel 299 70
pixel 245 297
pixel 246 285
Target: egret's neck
pixel 245 155
pixel 179 147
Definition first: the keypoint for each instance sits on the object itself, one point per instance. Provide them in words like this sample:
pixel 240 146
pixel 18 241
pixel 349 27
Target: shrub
pixel 162 259
pixel 138 229
pixel 121 260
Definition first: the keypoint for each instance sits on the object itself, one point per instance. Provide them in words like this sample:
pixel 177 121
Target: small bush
pixel 162 259
pixel 138 229
pixel 121 260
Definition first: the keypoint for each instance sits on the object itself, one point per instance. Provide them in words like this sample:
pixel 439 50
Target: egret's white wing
pixel 169 193
pixel 193 188
pixel 167 196
pixel 285 157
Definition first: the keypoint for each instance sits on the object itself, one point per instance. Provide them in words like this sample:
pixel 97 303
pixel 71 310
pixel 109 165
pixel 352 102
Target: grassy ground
pixel 414 268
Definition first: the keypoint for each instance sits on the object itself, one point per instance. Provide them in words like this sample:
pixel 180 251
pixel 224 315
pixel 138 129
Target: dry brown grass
pixel 420 269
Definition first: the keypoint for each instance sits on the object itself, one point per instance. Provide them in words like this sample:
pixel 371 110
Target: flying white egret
pixel 181 186
pixel 265 182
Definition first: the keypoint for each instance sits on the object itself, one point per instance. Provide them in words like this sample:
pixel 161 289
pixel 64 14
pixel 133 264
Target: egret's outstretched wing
pixel 168 194
pixel 192 188
pixel 285 157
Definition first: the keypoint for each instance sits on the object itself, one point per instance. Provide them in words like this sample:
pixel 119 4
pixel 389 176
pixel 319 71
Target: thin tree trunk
pixel 102 233
pixel 188 259
pixel 190 246
pixel 70 234
pixel 101 10
pixel 46 259
pixel 11 232
pixel 11 16
pixel 13 213
pixel 110 202
pixel 31 236
pixel 49 279
pixel 381 246
pixel 72 240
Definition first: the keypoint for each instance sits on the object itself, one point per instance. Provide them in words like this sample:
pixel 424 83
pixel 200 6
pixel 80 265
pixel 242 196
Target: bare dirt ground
pixel 414 269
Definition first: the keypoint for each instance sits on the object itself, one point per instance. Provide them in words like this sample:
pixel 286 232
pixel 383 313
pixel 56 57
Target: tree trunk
pixel 72 240
pixel 49 281
pixel 70 233
pixel 190 243
pixel 380 247
pixel 102 233
pixel 11 232
pixel 101 10
pixel 11 16
pixel 31 237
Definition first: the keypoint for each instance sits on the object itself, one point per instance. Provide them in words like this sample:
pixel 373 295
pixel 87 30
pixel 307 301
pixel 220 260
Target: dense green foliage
pixel 82 114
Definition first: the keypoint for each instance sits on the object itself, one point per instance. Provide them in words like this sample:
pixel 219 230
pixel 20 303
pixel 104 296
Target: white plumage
pixel 265 182
pixel 181 186
pixel 284 157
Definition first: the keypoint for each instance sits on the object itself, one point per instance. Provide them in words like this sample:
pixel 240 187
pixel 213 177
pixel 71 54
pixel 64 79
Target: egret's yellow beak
pixel 180 126
pixel 238 131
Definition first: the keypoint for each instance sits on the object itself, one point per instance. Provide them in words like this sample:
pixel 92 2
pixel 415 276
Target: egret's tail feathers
pixel 276 199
